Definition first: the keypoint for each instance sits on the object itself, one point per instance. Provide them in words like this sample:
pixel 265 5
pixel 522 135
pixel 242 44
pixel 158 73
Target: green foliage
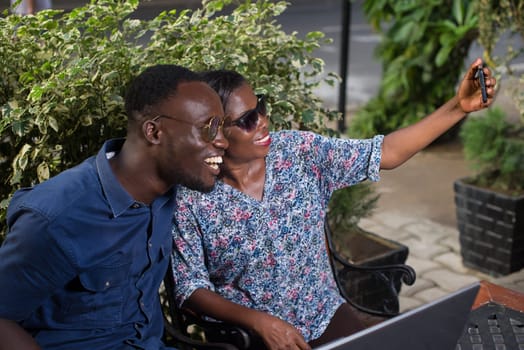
pixel 495 148
pixel 63 75
pixel 422 49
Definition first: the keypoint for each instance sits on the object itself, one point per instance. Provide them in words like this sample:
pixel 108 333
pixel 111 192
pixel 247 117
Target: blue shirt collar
pixel 118 198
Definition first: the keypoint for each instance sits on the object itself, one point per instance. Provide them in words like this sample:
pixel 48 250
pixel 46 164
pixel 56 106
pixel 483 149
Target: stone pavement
pixel 417 208
pixel 434 253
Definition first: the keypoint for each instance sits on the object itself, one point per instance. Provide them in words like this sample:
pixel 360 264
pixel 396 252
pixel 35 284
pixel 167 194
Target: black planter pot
pixel 491 229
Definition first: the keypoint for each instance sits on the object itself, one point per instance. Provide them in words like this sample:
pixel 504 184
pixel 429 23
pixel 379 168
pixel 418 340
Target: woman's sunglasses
pixel 249 120
pixel 209 131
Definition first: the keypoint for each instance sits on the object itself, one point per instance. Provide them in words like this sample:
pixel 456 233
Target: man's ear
pixel 151 130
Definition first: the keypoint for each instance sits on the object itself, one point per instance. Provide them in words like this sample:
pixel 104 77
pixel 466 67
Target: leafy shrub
pixel 63 75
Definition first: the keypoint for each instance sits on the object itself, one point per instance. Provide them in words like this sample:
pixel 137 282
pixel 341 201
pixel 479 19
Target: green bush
pixel 63 75
pixel 422 49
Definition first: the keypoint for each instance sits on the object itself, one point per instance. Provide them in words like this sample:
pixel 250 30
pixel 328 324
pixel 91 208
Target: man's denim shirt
pixel 82 262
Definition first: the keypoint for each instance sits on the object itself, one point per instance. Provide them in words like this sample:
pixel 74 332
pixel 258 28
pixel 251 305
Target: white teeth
pixel 214 162
pixel 264 139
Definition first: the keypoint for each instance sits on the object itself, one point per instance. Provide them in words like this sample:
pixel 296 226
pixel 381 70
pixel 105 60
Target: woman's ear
pixel 151 130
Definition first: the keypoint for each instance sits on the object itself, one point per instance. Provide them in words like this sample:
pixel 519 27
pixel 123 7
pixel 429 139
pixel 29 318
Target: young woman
pixel 252 251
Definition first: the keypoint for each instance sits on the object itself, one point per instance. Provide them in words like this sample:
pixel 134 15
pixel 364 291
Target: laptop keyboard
pixel 493 327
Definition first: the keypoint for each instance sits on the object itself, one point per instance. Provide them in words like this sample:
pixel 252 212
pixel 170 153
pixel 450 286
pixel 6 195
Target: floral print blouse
pixel 271 255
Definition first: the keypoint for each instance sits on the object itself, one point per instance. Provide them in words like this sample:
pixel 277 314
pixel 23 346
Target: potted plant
pixel 490 204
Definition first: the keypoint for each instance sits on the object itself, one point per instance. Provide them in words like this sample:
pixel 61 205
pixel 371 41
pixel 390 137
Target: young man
pixel 87 250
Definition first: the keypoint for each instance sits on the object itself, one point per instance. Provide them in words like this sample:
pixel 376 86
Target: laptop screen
pixel 434 326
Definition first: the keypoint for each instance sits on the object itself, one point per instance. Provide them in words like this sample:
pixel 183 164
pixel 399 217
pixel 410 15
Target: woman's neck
pixel 248 178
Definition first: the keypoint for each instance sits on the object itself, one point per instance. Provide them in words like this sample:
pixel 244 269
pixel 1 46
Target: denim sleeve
pixel 32 265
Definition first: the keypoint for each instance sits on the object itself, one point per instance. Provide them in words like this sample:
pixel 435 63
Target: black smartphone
pixel 480 76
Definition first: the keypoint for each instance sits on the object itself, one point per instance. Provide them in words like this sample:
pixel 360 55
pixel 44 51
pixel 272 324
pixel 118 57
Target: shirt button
pixel 135 206
pixel 108 284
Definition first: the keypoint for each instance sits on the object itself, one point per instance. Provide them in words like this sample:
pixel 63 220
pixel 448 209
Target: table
pixel 496 321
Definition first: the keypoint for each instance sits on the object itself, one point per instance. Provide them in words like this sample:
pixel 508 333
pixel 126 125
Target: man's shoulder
pixel 60 192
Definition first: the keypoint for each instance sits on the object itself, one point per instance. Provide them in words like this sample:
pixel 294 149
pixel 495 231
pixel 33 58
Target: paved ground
pixel 417 208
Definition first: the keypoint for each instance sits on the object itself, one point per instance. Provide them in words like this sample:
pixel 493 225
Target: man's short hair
pixel 154 85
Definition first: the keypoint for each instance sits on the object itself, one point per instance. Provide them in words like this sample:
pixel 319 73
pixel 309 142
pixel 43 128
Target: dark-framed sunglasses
pixel 249 119
pixel 209 131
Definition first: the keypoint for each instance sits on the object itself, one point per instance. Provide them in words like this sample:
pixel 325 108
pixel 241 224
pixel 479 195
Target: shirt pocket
pixel 99 298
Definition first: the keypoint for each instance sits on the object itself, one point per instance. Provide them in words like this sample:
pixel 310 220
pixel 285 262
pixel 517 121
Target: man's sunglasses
pixel 249 120
pixel 209 131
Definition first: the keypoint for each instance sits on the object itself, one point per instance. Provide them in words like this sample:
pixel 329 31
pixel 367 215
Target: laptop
pixel 434 326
